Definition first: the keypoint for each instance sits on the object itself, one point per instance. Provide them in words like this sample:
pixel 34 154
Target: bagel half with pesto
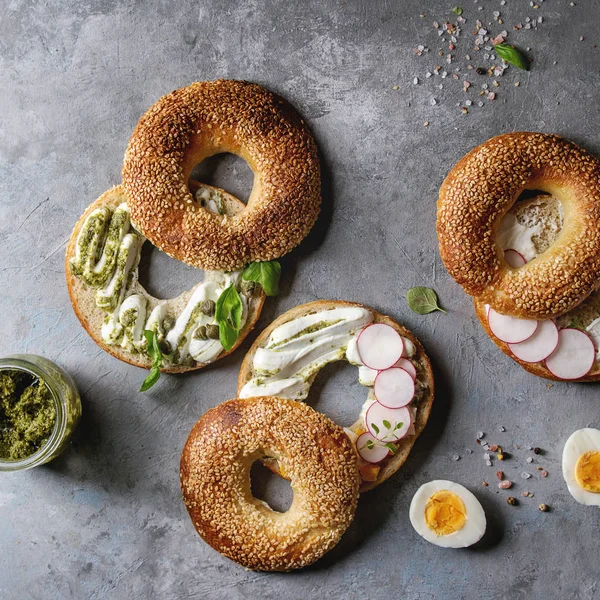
pixel 102 278
pixel 527 231
pixel 287 356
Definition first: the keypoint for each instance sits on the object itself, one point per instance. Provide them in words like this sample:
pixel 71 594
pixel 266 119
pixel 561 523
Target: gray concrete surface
pixel 106 519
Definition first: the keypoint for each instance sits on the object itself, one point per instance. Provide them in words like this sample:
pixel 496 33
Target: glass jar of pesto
pixel 39 409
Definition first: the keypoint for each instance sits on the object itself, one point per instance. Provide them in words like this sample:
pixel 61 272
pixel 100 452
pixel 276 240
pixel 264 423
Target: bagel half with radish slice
pixel 287 356
pixel 564 348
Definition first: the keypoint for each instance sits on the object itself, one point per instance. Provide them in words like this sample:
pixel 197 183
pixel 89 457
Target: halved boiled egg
pixel 581 466
pixel 447 514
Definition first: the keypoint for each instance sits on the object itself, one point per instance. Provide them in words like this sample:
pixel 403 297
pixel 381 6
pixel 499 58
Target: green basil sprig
pixel 511 55
pixel 457 10
pixel 423 300
pixel 155 354
pixel 267 274
pixel 228 314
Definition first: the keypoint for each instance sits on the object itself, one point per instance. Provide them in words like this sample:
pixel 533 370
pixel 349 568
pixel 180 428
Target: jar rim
pixel 51 444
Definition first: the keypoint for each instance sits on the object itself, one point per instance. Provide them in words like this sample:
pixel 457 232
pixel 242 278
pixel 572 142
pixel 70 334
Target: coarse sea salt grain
pixel 525 475
pixel 416 80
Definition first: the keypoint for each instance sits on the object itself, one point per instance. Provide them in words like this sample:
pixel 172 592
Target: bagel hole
pixel 531 225
pixel 163 276
pixel 337 393
pixel 228 172
pixel 270 488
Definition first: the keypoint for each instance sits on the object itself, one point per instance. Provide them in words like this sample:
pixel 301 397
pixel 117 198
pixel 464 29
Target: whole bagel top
pixel 478 192
pixel 207 118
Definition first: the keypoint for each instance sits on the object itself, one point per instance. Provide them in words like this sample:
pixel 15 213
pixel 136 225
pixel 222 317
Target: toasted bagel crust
pixel 424 372
pixel 206 118
pixel 538 368
pixel 91 317
pixel 215 482
pixel 481 188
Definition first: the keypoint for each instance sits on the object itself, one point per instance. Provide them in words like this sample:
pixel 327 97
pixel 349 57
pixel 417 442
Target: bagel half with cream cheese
pixel 95 303
pixel 343 322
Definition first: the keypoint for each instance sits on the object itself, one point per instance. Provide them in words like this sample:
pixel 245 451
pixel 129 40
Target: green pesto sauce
pixel 92 246
pixel 27 414
pixel 307 331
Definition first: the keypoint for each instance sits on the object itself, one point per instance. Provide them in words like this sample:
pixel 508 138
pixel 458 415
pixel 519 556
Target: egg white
pixel 475 524
pixel 580 442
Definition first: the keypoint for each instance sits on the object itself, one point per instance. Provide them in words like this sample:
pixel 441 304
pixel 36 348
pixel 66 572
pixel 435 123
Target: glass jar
pixel 66 402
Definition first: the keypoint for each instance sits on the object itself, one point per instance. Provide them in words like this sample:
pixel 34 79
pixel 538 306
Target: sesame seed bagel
pixel 479 191
pixel 215 482
pixel 83 297
pixel 371 475
pixel 207 118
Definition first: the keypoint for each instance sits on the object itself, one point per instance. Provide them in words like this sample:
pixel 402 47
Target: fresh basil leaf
pixel 457 10
pixel 511 55
pixel 151 379
pixel 153 351
pixel 423 300
pixel 391 447
pixel 375 428
pixel 228 336
pixel 267 274
pixel 386 424
pixel 229 308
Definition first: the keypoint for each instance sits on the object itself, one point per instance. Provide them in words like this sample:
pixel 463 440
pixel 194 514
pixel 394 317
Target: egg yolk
pixel 587 471
pixel 445 513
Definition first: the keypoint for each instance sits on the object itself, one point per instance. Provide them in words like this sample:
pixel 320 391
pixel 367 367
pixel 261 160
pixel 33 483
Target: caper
pixel 208 307
pixel 168 323
pixel 200 333
pixel 248 288
pixel 128 318
pixel 165 347
pixel 212 331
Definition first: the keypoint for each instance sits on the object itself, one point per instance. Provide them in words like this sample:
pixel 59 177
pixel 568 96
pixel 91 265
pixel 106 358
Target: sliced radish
pixel 511 329
pixel 370 448
pixel 487 309
pixel 514 259
pixel 394 388
pixel 574 355
pixel 539 346
pixel 405 364
pixel 379 346
pixel 387 424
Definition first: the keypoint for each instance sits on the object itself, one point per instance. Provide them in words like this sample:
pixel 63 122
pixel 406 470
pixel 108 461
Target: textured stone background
pixel 106 520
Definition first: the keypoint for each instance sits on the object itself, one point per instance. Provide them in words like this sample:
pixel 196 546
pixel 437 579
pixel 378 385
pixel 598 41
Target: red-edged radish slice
pixel 405 364
pixel 394 388
pixel 574 356
pixel 379 346
pixel 370 448
pixel 514 259
pixel 511 329
pixel 539 346
pixel 387 424
pixel 487 309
